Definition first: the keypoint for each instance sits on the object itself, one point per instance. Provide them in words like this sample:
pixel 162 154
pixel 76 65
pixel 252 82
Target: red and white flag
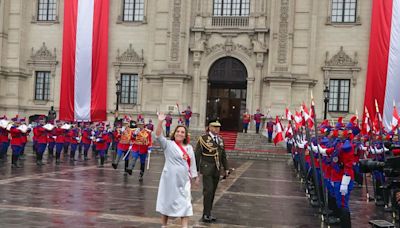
pixel 395 118
pixel 366 128
pixel 383 73
pixel 84 60
pixel 278 131
pixel 289 115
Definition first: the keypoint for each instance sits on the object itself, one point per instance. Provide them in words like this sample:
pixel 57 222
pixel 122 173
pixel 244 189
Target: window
pixel 42 85
pixel 339 95
pixel 129 88
pixel 231 8
pixel 344 11
pixel 47 10
pixel 133 10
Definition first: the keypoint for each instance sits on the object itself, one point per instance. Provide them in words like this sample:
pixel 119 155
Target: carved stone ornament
pixel 229 47
pixel 43 54
pixel 341 59
pixel 130 56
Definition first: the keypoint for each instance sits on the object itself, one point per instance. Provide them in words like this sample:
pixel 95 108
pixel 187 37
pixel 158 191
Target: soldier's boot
pixel 51 154
pixel 115 163
pixel 58 158
pixel 130 166
pixel 14 161
pixel 85 155
pixel 18 161
pixel 72 156
pixel 126 165
pixel 334 217
pixel 37 158
pixel 142 165
pixel 102 158
pixel 345 219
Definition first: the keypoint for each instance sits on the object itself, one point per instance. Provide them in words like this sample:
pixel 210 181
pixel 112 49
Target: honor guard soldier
pixel 188 115
pixel 257 118
pixel 141 146
pixel 210 157
pixel 4 141
pixel 168 122
pixel 246 120
pixel 125 138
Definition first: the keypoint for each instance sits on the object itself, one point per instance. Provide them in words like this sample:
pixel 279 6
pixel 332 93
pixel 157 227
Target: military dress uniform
pixel 210 157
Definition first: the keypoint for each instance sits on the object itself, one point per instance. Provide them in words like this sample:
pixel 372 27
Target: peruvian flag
pixel 395 117
pixel 278 131
pixel 383 73
pixel 366 128
pixel 289 115
pixel 84 60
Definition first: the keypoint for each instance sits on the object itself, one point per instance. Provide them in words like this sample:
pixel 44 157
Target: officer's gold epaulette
pixel 206 142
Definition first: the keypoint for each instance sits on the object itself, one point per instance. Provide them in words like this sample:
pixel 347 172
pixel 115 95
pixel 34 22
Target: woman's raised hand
pixel 161 116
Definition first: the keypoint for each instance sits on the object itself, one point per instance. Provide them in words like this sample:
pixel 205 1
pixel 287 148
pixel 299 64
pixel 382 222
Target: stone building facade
pixel 271 56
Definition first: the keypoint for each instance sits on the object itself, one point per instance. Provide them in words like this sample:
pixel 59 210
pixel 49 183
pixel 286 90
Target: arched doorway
pixel 226 96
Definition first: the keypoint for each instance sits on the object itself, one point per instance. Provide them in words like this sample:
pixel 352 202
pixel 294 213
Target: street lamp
pixel 326 100
pixel 118 93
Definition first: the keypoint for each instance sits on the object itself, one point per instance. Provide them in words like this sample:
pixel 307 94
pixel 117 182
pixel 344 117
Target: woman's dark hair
pixel 185 140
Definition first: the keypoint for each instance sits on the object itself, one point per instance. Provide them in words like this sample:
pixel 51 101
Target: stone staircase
pixel 249 146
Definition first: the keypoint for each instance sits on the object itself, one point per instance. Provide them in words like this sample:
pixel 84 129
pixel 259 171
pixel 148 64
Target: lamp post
pixel 326 100
pixel 118 93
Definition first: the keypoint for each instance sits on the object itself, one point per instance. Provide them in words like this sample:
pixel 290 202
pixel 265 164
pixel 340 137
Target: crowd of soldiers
pixel 329 160
pixel 74 140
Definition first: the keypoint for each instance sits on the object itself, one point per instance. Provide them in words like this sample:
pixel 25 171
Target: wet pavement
pixel 79 194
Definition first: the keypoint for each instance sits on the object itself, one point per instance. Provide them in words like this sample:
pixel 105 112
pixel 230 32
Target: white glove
pixel 314 148
pixel 123 129
pixel 300 145
pixel 77 138
pixel 322 150
pixel 9 126
pixel 363 147
pixel 344 186
pixel 378 151
pixel 54 137
pixel 385 149
pixel 92 138
pixel 372 150
pixel 344 189
pixel 98 140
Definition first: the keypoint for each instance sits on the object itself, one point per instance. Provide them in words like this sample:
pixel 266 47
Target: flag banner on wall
pixel 84 60
pixel 383 73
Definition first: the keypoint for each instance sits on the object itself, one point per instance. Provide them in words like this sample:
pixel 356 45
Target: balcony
pixel 230 22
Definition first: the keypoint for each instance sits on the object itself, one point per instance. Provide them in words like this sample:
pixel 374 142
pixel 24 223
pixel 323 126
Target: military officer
pixel 210 157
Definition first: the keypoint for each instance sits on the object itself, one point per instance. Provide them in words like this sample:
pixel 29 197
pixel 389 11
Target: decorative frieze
pixel 43 54
pixel 341 59
pixel 130 56
pixel 175 32
pixel 283 32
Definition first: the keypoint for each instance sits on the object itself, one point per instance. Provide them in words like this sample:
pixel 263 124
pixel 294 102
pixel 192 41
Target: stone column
pixel 249 94
pixel 203 101
pixel 258 80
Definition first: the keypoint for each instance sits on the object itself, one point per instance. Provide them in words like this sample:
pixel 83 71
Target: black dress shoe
pixel 206 218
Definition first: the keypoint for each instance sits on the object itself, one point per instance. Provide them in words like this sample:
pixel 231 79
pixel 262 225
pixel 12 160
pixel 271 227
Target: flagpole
pixel 380 129
pixel 368 149
pixel 316 184
pixel 324 193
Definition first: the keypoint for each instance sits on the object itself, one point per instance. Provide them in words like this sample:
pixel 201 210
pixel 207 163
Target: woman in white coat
pixel 174 192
